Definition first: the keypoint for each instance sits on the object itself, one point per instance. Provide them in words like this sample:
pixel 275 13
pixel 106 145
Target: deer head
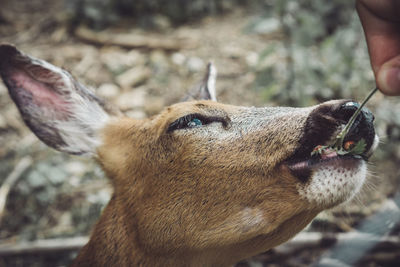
pixel 202 183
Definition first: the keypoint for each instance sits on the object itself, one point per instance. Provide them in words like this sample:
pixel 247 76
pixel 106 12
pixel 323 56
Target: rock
pixel 233 51
pixel 178 59
pixel 36 179
pixel 267 26
pixel 3 122
pixel 98 74
pixel 161 22
pixel 132 99
pixel 65 224
pixel 133 77
pixel 136 114
pixel 3 89
pixel 154 105
pixel 77 168
pixel 117 59
pixel 89 58
pixel 108 90
pixel 195 64
pixel 10 113
pixel 54 174
pixel 252 59
pixel 102 196
pixel 159 61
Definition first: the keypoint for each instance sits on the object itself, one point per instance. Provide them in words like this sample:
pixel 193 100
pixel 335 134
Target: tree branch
pixel 12 179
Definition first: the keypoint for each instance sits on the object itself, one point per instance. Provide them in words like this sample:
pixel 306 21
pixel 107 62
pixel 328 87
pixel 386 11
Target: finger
pixel 388 77
pixel 381 23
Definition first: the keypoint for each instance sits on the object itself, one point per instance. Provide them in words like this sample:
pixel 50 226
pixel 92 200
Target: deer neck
pixel 115 242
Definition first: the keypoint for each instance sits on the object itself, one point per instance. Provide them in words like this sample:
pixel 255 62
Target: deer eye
pixel 193 121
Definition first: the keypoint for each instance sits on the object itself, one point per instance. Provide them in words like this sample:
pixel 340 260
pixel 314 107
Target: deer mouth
pixel 303 169
pixel 303 163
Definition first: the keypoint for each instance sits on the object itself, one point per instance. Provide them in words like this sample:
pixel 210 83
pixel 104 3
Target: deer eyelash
pixel 185 121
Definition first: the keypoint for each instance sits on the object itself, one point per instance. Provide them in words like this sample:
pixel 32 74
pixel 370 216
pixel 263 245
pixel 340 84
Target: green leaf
pixel 318 150
pixel 359 147
pixel 342 152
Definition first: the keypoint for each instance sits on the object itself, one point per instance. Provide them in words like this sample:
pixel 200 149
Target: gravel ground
pixel 59 196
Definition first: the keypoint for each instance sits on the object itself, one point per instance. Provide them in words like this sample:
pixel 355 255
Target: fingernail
pixel 389 81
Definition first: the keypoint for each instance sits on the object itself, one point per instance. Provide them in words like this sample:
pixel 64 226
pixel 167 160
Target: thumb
pixel 388 77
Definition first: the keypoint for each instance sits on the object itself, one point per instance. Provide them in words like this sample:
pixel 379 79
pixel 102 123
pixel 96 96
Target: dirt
pixel 43 208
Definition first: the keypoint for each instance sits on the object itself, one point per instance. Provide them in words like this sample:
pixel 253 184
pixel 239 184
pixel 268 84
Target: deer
pixel 201 183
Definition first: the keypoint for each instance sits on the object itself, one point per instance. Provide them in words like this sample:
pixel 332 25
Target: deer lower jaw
pixel 334 181
pixel 331 179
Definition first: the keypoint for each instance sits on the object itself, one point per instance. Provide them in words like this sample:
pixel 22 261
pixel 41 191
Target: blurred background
pixel 143 55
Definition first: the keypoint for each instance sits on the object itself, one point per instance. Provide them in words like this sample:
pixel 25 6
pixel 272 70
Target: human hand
pixel 381 22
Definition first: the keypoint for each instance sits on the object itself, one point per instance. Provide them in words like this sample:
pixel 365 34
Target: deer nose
pixel 362 127
pixel 350 107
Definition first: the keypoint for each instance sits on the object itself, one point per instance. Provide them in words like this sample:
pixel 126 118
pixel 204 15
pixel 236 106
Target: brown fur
pixel 177 201
pixel 206 195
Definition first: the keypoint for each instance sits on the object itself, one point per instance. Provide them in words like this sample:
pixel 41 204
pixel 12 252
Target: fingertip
pixel 388 78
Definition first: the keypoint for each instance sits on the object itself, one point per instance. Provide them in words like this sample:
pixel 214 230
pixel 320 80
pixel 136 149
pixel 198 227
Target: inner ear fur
pixel 61 112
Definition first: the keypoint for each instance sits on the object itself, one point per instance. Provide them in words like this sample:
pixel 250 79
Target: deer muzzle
pixel 332 178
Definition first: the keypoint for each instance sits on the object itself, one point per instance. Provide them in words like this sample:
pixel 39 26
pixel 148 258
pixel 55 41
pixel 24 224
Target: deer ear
pixel 60 111
pixel 205 90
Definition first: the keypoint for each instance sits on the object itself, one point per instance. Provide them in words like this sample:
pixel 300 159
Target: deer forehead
pixel 243 119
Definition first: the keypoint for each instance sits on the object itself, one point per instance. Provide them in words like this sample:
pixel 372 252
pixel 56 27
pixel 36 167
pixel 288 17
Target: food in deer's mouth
pixel 349 148
pixel 322 156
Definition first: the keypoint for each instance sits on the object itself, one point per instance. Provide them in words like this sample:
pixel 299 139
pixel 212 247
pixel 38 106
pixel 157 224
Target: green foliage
pixel 357 149
pixel 99 14
pixel 322 55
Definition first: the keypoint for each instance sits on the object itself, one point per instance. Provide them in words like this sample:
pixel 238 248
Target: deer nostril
pixel 347 109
